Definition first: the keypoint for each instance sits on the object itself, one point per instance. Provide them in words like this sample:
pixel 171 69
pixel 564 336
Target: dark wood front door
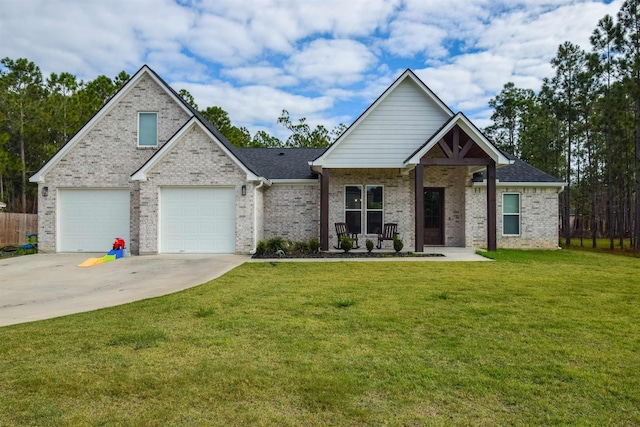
pixel 433 216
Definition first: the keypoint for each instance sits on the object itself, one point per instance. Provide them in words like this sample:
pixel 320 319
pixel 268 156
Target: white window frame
pixel 139 115
pixel 367 210
pixel 519 214
pixel 364 223
pixel 354 210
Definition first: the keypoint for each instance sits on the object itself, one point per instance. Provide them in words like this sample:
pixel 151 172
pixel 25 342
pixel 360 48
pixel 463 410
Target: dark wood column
pixel 324 210
pixel 491 207
pixel 419 208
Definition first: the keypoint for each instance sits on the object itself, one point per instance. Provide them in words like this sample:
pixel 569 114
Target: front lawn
pixel 602 245
pixel 534 338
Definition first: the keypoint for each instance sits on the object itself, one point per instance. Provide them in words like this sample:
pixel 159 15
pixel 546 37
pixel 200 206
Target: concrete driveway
pixel 43 286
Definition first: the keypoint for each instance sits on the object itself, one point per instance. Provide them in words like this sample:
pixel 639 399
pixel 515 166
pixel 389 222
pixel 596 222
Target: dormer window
pixel 147 129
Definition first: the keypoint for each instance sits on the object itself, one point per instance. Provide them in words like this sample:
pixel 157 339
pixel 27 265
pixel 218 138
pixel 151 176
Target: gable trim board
pixel 197 193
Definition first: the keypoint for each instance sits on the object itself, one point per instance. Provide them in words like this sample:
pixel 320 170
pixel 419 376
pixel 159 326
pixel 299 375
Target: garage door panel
pixel 204 216
pixel 90 219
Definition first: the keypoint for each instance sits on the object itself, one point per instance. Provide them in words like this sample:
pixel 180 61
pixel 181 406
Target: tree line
pixel 39 115
pixel 583 126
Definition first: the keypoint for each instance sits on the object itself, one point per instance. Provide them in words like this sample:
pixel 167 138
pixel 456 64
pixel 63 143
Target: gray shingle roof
pixel 292 163
pixel 280 163
pixel 520 171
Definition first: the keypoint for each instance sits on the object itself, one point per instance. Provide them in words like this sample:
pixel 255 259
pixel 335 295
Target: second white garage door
pixel 197 220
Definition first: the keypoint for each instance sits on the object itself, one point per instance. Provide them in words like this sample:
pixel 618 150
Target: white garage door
pixel 197 220
pixel 90 220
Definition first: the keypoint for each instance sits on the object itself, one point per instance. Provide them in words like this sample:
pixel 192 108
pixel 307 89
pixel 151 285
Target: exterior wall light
pixel 244 190
pixel 45 191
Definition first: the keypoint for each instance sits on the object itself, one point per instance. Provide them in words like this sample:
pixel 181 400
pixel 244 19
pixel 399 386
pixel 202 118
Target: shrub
pixel 300 247
pixel 314 245
pixel 276 244
pixel 346 244
pixel 369 245
pixel 397 243
pixel 261 248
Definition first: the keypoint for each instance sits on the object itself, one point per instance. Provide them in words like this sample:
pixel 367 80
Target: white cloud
pixel 88 38
pixel 515 46
pixel 332 62
pixel 221 40
pixel 525 35
pixel 410 37
pixel 254 105
pixel 298 19
pixel 325 60
pixel 235 33
pixel 268 75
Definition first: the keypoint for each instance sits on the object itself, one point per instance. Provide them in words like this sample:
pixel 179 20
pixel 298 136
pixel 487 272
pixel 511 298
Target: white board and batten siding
pixel 197 220
pixel 89 220
pixel 393 129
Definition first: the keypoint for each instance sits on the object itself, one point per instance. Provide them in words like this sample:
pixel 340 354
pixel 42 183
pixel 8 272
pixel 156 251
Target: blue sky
pixel 323 60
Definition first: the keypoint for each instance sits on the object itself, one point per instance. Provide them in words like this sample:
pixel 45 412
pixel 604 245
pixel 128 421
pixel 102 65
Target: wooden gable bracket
pixel 456 155
pixel 466 148
pixel 457 152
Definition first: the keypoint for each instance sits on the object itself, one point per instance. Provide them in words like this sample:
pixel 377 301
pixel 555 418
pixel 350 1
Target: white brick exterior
pixel 292 211
pixel 398 200
pixel 538 218
pixel 107 154
pixel 195 160
pixel 464 211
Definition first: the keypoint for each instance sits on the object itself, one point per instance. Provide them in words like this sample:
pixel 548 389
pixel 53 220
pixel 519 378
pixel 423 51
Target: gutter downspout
pixel 255 218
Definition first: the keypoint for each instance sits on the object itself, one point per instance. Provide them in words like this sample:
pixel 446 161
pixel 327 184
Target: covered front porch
pixel 429 198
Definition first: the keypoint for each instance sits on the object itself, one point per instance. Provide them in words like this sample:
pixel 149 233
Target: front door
pixel 433 216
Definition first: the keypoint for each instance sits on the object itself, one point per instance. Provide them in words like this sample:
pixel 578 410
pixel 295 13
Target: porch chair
pixel 388 233
pixel 342 229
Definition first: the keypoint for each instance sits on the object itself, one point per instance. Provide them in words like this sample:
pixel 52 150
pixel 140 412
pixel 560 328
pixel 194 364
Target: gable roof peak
pixel 406 74
pixel 142 71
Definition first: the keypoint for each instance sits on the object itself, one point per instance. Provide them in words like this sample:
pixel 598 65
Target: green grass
pixel 536 338
pixel 603 245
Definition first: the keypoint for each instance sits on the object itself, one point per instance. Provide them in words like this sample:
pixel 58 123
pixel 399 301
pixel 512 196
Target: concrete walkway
pixel 450 254
pixel 43 286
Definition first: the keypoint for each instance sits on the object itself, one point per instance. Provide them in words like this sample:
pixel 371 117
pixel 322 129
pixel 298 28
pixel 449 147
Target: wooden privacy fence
pixel 15 226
